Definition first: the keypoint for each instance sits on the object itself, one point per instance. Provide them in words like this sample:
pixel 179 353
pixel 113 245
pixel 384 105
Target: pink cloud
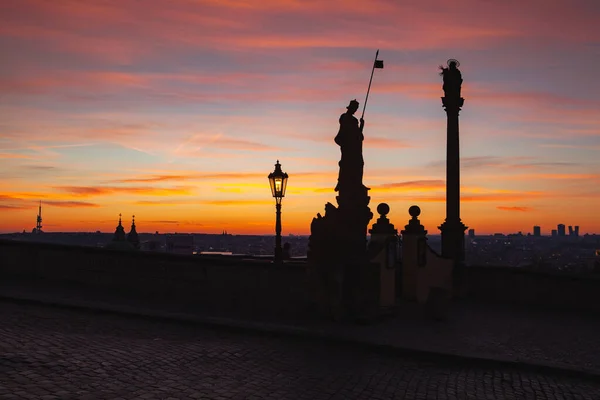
pixel 125 30
pixel 386 143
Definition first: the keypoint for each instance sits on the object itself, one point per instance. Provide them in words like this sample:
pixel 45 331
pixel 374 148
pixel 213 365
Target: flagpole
pixel 369 89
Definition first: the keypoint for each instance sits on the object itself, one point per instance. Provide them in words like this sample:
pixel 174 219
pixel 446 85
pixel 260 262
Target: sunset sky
pixel 176 111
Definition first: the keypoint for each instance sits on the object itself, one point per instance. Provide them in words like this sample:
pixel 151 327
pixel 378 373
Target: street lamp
pixel 278 180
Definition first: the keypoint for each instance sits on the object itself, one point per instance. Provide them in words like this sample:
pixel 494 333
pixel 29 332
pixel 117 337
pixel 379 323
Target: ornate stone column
pixel 453 230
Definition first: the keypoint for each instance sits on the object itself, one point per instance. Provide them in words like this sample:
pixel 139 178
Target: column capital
pixel 453 226
pixel 452 104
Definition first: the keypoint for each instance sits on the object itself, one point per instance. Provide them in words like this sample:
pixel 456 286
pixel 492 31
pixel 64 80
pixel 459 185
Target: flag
pixel 378 64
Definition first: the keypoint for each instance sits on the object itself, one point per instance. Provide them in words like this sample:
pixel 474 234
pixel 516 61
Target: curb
pixel 276 330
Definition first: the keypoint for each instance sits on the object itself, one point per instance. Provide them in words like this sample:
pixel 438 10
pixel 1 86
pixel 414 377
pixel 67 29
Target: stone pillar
pixel 453 230
pixel 354 215
pixel 414 253
pixel 383 248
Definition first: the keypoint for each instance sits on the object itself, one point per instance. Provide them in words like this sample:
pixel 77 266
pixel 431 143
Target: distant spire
pixel 38 225
pixel 132 236
pixel 119 232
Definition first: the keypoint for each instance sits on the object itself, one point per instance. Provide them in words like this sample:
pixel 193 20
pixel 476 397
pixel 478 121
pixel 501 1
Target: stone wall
pixel 214 283
pixel 257 287
pixel 522 287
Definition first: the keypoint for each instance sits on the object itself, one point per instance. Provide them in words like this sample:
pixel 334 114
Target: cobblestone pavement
pixel 50 353
pixel 548 337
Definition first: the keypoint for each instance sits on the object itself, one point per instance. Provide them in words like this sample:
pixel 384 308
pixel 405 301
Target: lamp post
pixel 278 181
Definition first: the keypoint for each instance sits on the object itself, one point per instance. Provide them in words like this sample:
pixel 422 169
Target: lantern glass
pixel 278 181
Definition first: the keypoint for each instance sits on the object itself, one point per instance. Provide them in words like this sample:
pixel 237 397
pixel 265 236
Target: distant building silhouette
pixel 537 231
pixel 561 230
pixel 119 240
pixel 554 232
pixel 576 231
pixel 471 233
pixel 179 244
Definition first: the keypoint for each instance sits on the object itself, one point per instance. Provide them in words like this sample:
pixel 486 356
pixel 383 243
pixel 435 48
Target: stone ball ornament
pixel 414 211
pixel 383 209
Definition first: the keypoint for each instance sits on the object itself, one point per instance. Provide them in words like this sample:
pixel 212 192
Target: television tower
pixel 38 226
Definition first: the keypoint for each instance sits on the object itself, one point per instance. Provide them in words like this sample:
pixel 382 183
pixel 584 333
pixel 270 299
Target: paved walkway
pixel 510 334
pixel 53 353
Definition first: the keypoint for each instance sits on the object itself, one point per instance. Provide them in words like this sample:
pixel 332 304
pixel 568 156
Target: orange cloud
pixel 521 209
pixel 242 176
pixel 421 185
pixel 236 202
pixel 9 207
pixel 70 204
pixel 228 190
pixel 87 191
pixel 165 202
pixel 483 196
pixel 550 176
pixel 192 176
pixel 13 155
pixel 22 196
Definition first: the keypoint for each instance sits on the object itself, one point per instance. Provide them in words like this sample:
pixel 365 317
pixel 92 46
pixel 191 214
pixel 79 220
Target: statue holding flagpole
pixel 337 248
pixel 350 137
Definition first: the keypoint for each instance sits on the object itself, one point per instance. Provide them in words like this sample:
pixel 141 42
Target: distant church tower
pixel 38 225
pixel 132 236
pixel 119 232
pixel 119 241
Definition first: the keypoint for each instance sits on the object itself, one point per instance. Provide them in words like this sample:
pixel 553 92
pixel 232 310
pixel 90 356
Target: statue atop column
pixel 452 79
pixel 453 229
pixel 349 138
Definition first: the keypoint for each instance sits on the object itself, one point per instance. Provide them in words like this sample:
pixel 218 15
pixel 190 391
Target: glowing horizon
pixel 177 113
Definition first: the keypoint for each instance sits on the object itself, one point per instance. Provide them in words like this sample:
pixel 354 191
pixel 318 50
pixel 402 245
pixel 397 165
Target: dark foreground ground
pixel 50 353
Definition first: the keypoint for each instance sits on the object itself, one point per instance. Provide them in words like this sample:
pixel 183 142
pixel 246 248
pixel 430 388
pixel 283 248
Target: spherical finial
pixel 414 211
pixel 383 209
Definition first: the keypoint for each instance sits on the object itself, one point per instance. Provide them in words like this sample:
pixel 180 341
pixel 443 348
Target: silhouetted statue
pixel 337 254
pixel 452 79
pixel 350 138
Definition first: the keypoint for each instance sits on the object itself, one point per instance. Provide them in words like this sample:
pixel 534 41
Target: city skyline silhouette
pixel 178 114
